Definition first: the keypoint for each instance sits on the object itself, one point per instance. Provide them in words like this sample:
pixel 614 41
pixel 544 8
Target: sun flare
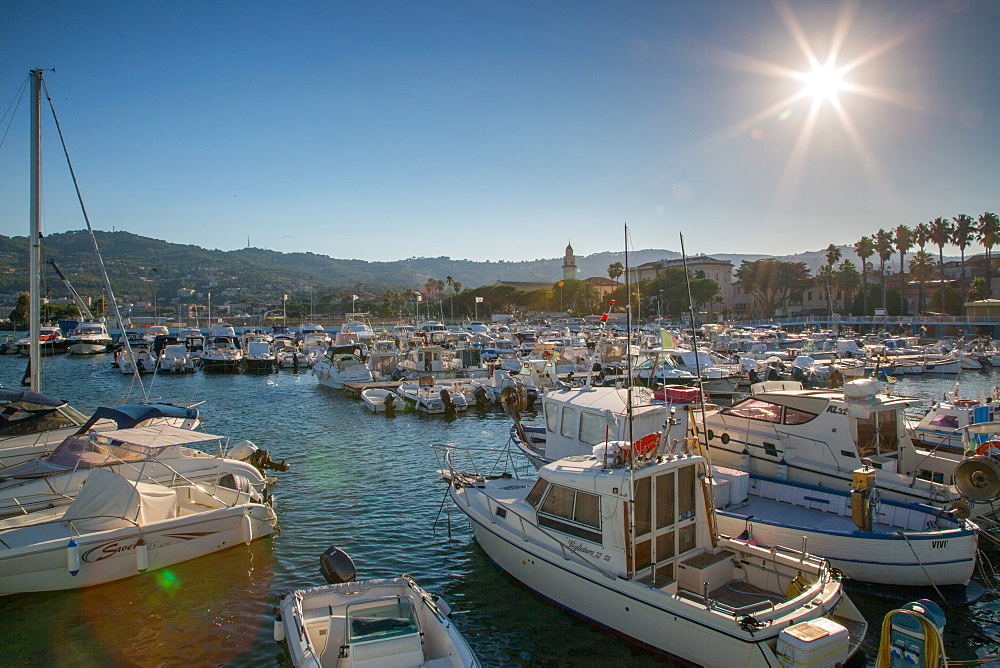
pixel 823 82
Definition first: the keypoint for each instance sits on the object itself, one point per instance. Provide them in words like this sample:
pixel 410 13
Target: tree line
pixel 775 284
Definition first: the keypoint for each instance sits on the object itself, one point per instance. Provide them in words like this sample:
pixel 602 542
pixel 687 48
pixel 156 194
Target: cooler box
pixel 739 483
pixel 817 643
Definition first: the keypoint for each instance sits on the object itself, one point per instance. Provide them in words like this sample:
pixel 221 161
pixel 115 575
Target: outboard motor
pixel 246 451
pixel 482 397
pixel 336 566
pixel 390 402
pixel 449 405
pixel 239 484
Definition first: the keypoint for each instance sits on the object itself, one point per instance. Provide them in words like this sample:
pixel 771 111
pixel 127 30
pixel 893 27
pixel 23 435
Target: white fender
pixel 247 527
pixel 73 557
pixel 141 555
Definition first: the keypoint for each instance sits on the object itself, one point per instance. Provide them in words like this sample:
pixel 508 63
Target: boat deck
pixel 811 518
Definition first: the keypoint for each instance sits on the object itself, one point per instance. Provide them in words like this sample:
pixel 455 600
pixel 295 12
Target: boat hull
pixel 107 556
pixel 625 611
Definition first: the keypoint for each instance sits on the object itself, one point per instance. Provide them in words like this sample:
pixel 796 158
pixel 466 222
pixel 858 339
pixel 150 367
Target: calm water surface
pixel 363 482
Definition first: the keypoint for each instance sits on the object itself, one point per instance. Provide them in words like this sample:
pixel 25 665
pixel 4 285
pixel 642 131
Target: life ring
pixel 965 402
pixel 989 448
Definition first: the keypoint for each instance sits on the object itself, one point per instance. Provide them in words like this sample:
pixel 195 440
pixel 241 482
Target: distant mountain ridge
pixel 131 259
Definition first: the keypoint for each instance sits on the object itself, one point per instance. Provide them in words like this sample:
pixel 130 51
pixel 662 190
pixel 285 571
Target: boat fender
pixel 246 526
pixel 442 605
pixel 141 555
pixel 73 557
pixel 279 628
pixel 796 586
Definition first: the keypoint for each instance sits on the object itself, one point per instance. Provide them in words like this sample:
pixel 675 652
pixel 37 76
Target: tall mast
pixel 35 237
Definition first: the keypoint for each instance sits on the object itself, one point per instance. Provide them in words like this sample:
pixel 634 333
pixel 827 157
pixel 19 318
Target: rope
pixel 933 646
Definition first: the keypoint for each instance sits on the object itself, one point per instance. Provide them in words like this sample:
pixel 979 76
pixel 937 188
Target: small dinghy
pixel 379 400
pixel 390 622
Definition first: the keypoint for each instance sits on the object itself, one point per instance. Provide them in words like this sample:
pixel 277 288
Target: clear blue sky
pixel 382 130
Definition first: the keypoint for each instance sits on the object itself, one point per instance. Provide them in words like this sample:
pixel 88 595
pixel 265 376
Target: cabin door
pixel 664 526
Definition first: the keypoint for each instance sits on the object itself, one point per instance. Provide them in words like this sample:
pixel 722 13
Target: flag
pixel 355 298
pixel 286 297
pixel 420 297
pixel 479 300
pixel 666 339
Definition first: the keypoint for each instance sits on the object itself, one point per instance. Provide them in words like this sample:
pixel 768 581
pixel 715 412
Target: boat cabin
pixel 578 419
pixel 586 501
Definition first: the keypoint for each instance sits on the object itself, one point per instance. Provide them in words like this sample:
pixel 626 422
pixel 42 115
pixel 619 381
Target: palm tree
pixel 962 235
pixel 883 246
pixel 615 269
pixel 864 248
pixel 451 299
pixel 940 234
pixel 848 281
pixel 903 241
pixel 921 235
pixel 832 257
pixel 824 277
pixel 988 233
pixel 921 268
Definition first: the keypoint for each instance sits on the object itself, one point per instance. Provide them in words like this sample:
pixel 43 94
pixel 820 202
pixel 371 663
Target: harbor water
pixel 367 484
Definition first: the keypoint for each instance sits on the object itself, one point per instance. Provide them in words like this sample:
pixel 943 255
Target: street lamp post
pixel 155 321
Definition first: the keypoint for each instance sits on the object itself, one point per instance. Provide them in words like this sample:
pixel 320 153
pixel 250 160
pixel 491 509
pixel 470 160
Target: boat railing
pixel 743 611
pixel 25 502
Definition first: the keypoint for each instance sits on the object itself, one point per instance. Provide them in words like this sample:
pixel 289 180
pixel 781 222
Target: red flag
pixel 604 318
pixel 612 302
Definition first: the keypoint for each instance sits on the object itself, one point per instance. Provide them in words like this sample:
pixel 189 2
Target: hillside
pixel 261 274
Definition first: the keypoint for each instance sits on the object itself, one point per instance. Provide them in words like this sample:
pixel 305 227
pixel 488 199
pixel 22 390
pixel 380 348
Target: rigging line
pixel 15 104
pixel 93 238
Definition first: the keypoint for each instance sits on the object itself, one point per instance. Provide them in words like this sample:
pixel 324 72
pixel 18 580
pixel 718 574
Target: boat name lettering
pixel 839 410
pixel 939 544
pixel 578 547
pixel 111 548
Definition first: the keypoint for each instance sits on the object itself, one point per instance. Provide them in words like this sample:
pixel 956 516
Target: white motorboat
pixel 259 358
pixel 718 380
pixel 429 361
pixel 354 331
pixel 426 397
pixel 176 358
pixel 378 400
pixel 89 338
pixel 51 341
pixel 287 355
pixel 341 365
pixel 145 360
pixel 867 538
pixel 391 622
pixel 624 538
pixel 820 437
pixel 116 528
pixel 221 351
pixel 32 424
pixel 158 454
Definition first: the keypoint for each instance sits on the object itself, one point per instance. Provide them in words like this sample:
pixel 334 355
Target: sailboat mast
pixel 35 237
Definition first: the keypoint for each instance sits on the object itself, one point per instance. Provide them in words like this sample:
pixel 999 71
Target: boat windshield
pixel 95 450
pixel 21 417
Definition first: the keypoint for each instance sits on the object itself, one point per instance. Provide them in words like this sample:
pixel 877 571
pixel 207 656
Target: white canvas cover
pixel 258 348
pixel 109 501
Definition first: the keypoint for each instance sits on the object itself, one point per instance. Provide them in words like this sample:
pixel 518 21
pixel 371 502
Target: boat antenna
pixel 97 250
pixel 707 484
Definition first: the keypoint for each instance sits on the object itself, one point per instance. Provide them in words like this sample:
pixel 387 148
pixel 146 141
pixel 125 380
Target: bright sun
pixel 823 82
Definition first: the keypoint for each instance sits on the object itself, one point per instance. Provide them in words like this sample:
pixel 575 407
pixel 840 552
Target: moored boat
pixel 625 539
pixel 116 528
